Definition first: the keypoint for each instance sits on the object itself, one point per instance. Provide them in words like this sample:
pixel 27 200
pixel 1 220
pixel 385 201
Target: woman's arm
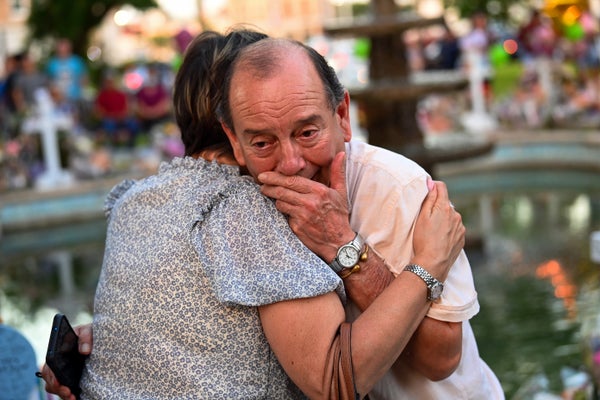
pixel 302 333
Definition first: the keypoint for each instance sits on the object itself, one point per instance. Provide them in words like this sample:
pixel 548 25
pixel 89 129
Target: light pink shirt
pixel 385 192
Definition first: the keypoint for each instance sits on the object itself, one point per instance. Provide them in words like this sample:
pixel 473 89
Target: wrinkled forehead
pixel 291 77
pixel 277 109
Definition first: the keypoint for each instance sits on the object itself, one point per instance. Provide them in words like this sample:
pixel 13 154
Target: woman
pixel 197 262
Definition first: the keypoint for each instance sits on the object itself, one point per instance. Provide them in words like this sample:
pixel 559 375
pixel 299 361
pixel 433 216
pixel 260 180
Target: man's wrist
pixel 348 256
pixel 374 276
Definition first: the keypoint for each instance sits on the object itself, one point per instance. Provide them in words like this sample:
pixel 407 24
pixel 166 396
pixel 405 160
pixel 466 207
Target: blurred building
pixel 129 35
pixel 298 19
pixel 148 35
pixel 13 29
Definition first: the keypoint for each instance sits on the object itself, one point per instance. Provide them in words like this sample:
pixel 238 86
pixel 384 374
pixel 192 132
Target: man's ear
pixel 343 113
pixel 235 145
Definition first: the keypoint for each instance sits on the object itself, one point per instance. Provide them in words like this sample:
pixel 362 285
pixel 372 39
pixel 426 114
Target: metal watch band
pixel 357 243
pixel 434 287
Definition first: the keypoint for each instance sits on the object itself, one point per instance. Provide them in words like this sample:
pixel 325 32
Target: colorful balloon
pixel 498 56
pixel 362 48
pixel 574 32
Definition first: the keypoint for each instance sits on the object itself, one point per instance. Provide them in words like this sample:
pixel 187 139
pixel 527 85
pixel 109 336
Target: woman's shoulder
pixel 116 193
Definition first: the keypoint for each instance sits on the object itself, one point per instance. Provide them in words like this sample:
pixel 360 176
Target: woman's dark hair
pixel 198 88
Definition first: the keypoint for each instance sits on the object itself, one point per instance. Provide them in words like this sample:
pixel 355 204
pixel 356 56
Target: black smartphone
pixel 63 355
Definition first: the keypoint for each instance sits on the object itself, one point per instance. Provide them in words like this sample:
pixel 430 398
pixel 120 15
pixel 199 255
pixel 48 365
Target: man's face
pixel 284 123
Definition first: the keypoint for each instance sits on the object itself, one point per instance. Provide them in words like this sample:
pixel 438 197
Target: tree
pixel 498 9
pixel 73 20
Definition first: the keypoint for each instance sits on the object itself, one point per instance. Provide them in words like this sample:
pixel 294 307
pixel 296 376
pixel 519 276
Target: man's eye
pixel 260 145
pixel 308 133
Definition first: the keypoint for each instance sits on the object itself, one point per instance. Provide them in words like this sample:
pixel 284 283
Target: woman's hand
pixel 84 332
pixel 439 235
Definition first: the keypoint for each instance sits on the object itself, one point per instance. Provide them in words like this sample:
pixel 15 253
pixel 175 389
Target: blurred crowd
pixel 121 117
pixel 126 112
pixel 556 84
pixel 560 82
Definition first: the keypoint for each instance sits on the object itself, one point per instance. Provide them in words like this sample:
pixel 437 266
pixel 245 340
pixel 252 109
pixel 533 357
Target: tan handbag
pixel 343 387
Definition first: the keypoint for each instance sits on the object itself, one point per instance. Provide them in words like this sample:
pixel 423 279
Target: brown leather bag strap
pixel 346 359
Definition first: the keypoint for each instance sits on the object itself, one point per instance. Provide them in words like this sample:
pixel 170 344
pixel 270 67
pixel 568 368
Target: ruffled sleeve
pixel 115 193
pixel 252 257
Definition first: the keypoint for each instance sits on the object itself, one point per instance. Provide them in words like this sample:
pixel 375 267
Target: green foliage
pixel 506 79
pixel 497 9
pixel 50 19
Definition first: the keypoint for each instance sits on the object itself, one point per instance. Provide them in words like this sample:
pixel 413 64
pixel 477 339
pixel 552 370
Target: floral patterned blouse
pixel 190 254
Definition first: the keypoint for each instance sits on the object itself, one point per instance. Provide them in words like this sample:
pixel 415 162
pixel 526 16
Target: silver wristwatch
pixel 434 287
pixel 348 255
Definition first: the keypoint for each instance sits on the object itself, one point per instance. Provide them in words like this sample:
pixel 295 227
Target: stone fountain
pixel 391 97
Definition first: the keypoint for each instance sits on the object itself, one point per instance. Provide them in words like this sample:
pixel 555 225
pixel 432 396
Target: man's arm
pixel 435 349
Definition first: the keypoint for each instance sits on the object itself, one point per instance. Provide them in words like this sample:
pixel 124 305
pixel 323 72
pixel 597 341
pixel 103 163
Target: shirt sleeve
pixel 252 257
pixel 459 298
pixel 115 194
pixel 398 187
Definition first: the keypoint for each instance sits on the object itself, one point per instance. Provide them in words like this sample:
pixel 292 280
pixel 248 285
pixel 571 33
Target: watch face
pixel 436 291
pixel 348 256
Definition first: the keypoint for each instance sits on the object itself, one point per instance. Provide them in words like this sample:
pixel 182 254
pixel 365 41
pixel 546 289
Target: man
pixel 287 117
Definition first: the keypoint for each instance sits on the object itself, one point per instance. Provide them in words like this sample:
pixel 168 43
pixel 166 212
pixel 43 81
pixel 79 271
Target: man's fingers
pixel 282 194
pixel 296 183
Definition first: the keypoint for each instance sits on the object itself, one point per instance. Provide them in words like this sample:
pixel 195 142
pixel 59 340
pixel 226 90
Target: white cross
pixel 477 121
pixel 47 123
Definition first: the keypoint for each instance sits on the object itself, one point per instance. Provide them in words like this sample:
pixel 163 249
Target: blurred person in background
pixel 112 107
pixel 537 37
pixel 474 50
pixel 152 101
pixel 27 83
pixel 10 97
pixel 68 72
pixel 538 42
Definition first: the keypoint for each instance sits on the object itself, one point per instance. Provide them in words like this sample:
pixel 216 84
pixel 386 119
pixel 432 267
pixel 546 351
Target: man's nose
pixel 291 161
